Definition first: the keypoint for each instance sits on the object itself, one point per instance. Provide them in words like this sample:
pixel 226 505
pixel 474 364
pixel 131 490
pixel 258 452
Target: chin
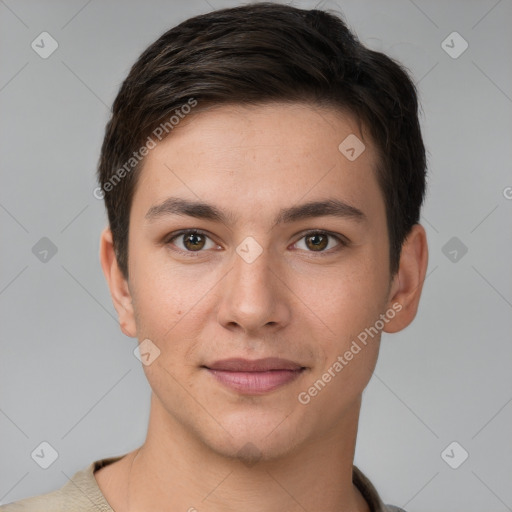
pixel 251 451
pixel 250 439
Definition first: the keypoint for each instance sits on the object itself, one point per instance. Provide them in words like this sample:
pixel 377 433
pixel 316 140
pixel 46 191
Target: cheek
pixel 346 310
pixel 349 299
pixel 169 311
pixel 161 293
pixel 349 347
pixel 158 309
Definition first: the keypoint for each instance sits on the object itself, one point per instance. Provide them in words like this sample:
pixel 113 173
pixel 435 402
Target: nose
pixel 254 296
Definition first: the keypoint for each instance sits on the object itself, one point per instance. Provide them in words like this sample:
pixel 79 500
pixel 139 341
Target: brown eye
pixel 317 241
pixel 193 241
pixel 190 241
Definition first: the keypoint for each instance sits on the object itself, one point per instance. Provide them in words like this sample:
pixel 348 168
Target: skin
pixel 291 302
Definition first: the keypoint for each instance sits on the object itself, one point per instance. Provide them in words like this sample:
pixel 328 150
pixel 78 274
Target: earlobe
pixel 408 283
pixel 118 285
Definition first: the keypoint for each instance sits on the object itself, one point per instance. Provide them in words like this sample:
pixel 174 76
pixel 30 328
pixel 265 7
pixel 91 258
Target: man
pixel 263 174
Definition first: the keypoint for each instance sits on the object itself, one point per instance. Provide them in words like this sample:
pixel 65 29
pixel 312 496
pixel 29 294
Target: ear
pixel 119 290
pixel 405 290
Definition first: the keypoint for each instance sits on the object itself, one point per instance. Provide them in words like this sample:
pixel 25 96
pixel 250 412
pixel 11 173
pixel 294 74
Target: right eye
pixel 192 240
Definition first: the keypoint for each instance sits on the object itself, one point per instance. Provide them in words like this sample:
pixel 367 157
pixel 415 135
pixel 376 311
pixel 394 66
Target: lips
pixel 255 377
pixel 257 365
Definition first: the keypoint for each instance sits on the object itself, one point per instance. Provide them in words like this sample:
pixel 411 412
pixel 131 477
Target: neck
pixel 176 470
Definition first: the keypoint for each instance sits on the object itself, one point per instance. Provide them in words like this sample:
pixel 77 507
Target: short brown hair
pixel 260 53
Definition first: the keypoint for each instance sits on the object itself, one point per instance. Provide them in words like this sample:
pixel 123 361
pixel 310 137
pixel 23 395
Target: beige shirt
pixel 82 494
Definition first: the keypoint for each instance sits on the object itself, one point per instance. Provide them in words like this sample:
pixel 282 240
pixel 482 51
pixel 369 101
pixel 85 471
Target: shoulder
pixel 56 501
pixel 80 494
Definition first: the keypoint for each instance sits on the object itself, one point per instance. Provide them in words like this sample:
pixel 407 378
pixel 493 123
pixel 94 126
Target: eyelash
pixel 342 242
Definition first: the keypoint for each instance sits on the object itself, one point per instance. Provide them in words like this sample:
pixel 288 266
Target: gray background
pixel 68 375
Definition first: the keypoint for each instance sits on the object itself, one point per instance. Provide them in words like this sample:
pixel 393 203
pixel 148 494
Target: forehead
pixel 273 124
pixel 271 154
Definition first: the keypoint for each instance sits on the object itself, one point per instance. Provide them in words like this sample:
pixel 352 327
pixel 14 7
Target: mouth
pixel 255 376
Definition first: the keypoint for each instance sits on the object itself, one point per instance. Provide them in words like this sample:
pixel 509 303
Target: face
pixel 262 276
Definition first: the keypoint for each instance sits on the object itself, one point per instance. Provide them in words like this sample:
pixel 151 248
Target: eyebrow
pixel 202 210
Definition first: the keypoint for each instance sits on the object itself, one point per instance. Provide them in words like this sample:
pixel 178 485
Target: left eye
pixel 318 241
